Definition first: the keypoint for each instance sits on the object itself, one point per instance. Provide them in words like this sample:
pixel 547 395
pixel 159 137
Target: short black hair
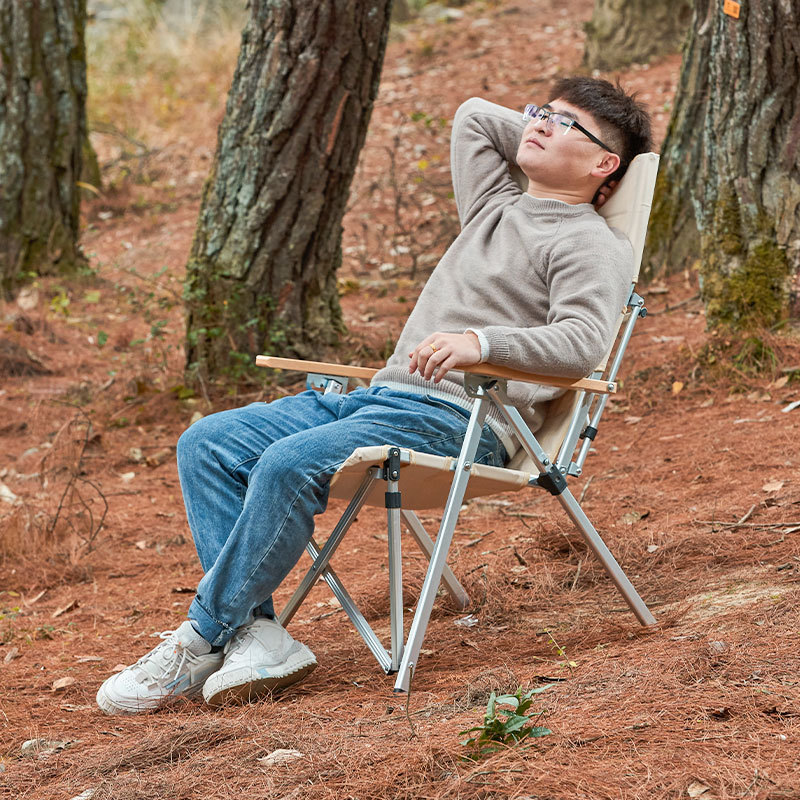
pixel 624 121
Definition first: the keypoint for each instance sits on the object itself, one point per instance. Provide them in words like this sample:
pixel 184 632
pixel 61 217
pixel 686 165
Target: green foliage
pixel 506 727
pixel 59 303
pixel 756 356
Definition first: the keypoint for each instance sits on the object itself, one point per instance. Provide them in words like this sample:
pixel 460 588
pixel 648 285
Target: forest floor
pixel 694 486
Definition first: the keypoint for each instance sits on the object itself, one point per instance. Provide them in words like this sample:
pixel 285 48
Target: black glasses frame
pixel 573 123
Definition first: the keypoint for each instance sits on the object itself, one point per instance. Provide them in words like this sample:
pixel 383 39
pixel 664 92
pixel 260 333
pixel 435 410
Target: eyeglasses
pixel 552 118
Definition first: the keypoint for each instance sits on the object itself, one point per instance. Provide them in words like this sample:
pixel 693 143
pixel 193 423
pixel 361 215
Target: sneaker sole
pixel 252 690
pixel 108 706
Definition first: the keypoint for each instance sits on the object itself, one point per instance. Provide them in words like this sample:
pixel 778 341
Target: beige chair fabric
pixel 425 480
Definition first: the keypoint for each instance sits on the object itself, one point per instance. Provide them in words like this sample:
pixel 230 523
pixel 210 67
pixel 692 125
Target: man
pixel 534 282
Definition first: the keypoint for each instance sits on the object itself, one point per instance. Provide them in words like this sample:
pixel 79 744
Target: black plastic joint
pixel 391 467
pixel 392 499
pixel 589 432
pixel 552 480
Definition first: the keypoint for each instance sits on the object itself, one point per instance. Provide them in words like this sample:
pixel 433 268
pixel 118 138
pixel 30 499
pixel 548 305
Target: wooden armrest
pixel 490 370
pixel 342 370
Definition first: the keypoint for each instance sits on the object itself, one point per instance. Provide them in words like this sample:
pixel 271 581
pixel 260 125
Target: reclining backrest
pixel 627 210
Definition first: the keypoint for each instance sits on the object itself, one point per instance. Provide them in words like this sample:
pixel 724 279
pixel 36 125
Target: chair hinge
pixel 391 467
pixel 589 432
pixel 552 480
pixel 391 472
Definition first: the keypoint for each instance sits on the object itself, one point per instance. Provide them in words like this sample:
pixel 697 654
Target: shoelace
pixel 174 667
pixel 238 641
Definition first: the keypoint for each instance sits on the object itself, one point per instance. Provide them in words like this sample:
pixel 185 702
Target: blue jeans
pixel 253 478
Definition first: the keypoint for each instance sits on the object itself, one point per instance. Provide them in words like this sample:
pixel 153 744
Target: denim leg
pixel 217 453
pixel 288 484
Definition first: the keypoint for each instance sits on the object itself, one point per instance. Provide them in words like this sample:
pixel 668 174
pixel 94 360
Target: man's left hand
pixel 441 352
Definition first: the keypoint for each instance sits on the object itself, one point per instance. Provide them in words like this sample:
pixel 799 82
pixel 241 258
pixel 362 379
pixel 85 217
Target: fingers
pixel 420 355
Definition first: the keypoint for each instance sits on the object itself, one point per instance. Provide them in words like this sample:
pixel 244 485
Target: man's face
pixel 551 157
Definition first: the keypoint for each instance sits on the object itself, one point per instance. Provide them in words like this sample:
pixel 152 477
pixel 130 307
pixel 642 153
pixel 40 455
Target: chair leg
pixel 433 576
pixel 356 617
pixel 321 558
pixel 454 588
pixel 395 569
pixel 610 565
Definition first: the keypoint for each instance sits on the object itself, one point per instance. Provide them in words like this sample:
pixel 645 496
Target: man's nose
pixel 542 126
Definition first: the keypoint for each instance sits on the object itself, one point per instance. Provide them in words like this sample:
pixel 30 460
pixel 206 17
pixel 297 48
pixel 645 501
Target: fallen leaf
pixel 791 407
pixel 280 756
pixel 631 420
pixel 651 548
pixel 183 590
pixel 127 477
pixel 6 495
pixel 136 455
pixel 11 655
pixel 63 683
pixel 71 606
pixel 158 458
pixel 470 621
pixel 87 659
pixel 142 544
pixel 28 299
pixel 772 486
pixel 697 789
pixel 677 386
pixel 35 599
pixel 469 643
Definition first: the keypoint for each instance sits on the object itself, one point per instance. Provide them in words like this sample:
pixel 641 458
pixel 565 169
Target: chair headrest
pixel 628 208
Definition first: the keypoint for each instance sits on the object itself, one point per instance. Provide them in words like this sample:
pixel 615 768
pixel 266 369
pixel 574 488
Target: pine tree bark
pixel 42 133
pixel 623 32
pixel 262 271
pixel 728 191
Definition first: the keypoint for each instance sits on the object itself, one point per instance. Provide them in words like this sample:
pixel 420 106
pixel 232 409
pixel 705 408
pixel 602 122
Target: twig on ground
pixel 585 488
pixel 408 703
pixel 747 515
pixel 577 575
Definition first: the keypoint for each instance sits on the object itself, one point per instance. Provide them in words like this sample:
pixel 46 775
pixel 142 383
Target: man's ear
pixel 606 166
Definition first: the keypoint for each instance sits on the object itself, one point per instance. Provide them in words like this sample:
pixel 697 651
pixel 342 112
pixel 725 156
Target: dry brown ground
pixel 704 705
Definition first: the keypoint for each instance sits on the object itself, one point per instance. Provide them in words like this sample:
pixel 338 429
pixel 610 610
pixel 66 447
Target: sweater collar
pixel 538 205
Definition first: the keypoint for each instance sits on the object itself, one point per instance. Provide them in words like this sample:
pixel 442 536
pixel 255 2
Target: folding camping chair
pixel 375 475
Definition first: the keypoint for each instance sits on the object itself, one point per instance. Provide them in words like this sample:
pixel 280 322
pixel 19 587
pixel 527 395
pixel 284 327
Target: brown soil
pixel 694 486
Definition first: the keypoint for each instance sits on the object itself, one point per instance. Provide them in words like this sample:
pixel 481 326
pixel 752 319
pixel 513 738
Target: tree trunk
pixel 729 186
pixel 42 132
pixel 623 32
pixel 262 271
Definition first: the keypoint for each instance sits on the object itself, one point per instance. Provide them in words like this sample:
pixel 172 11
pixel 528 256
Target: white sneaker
pixel 175 668
pixel 260 657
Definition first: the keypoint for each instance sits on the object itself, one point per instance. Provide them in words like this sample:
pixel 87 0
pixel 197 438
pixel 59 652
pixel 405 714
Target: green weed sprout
pixel 506 727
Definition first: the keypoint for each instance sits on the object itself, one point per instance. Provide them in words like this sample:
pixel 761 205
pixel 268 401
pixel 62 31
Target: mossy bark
pixel 728 195
pixel 42 132
pixel 623 32
pixel 262 271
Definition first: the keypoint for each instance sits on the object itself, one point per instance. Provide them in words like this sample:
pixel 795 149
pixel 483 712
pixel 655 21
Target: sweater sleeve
pixel 485 141
pixel 588 282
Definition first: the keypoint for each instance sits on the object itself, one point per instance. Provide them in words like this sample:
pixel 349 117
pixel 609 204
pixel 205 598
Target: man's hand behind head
pixel 603 194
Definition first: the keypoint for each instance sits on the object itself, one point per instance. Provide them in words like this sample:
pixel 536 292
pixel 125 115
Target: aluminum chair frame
pixel 402 656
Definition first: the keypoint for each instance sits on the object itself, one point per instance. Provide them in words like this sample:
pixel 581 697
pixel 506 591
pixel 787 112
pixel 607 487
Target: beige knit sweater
pixel 541 281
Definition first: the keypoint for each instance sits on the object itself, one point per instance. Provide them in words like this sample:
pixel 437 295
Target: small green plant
pixel 504 727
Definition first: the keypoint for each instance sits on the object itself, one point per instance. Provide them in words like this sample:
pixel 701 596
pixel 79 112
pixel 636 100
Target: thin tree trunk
pixel 623 32
pixel 42 132
pixel 729 188
pixel 262 271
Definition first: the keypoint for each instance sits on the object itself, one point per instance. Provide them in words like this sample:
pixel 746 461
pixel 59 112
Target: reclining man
pixel 534 282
